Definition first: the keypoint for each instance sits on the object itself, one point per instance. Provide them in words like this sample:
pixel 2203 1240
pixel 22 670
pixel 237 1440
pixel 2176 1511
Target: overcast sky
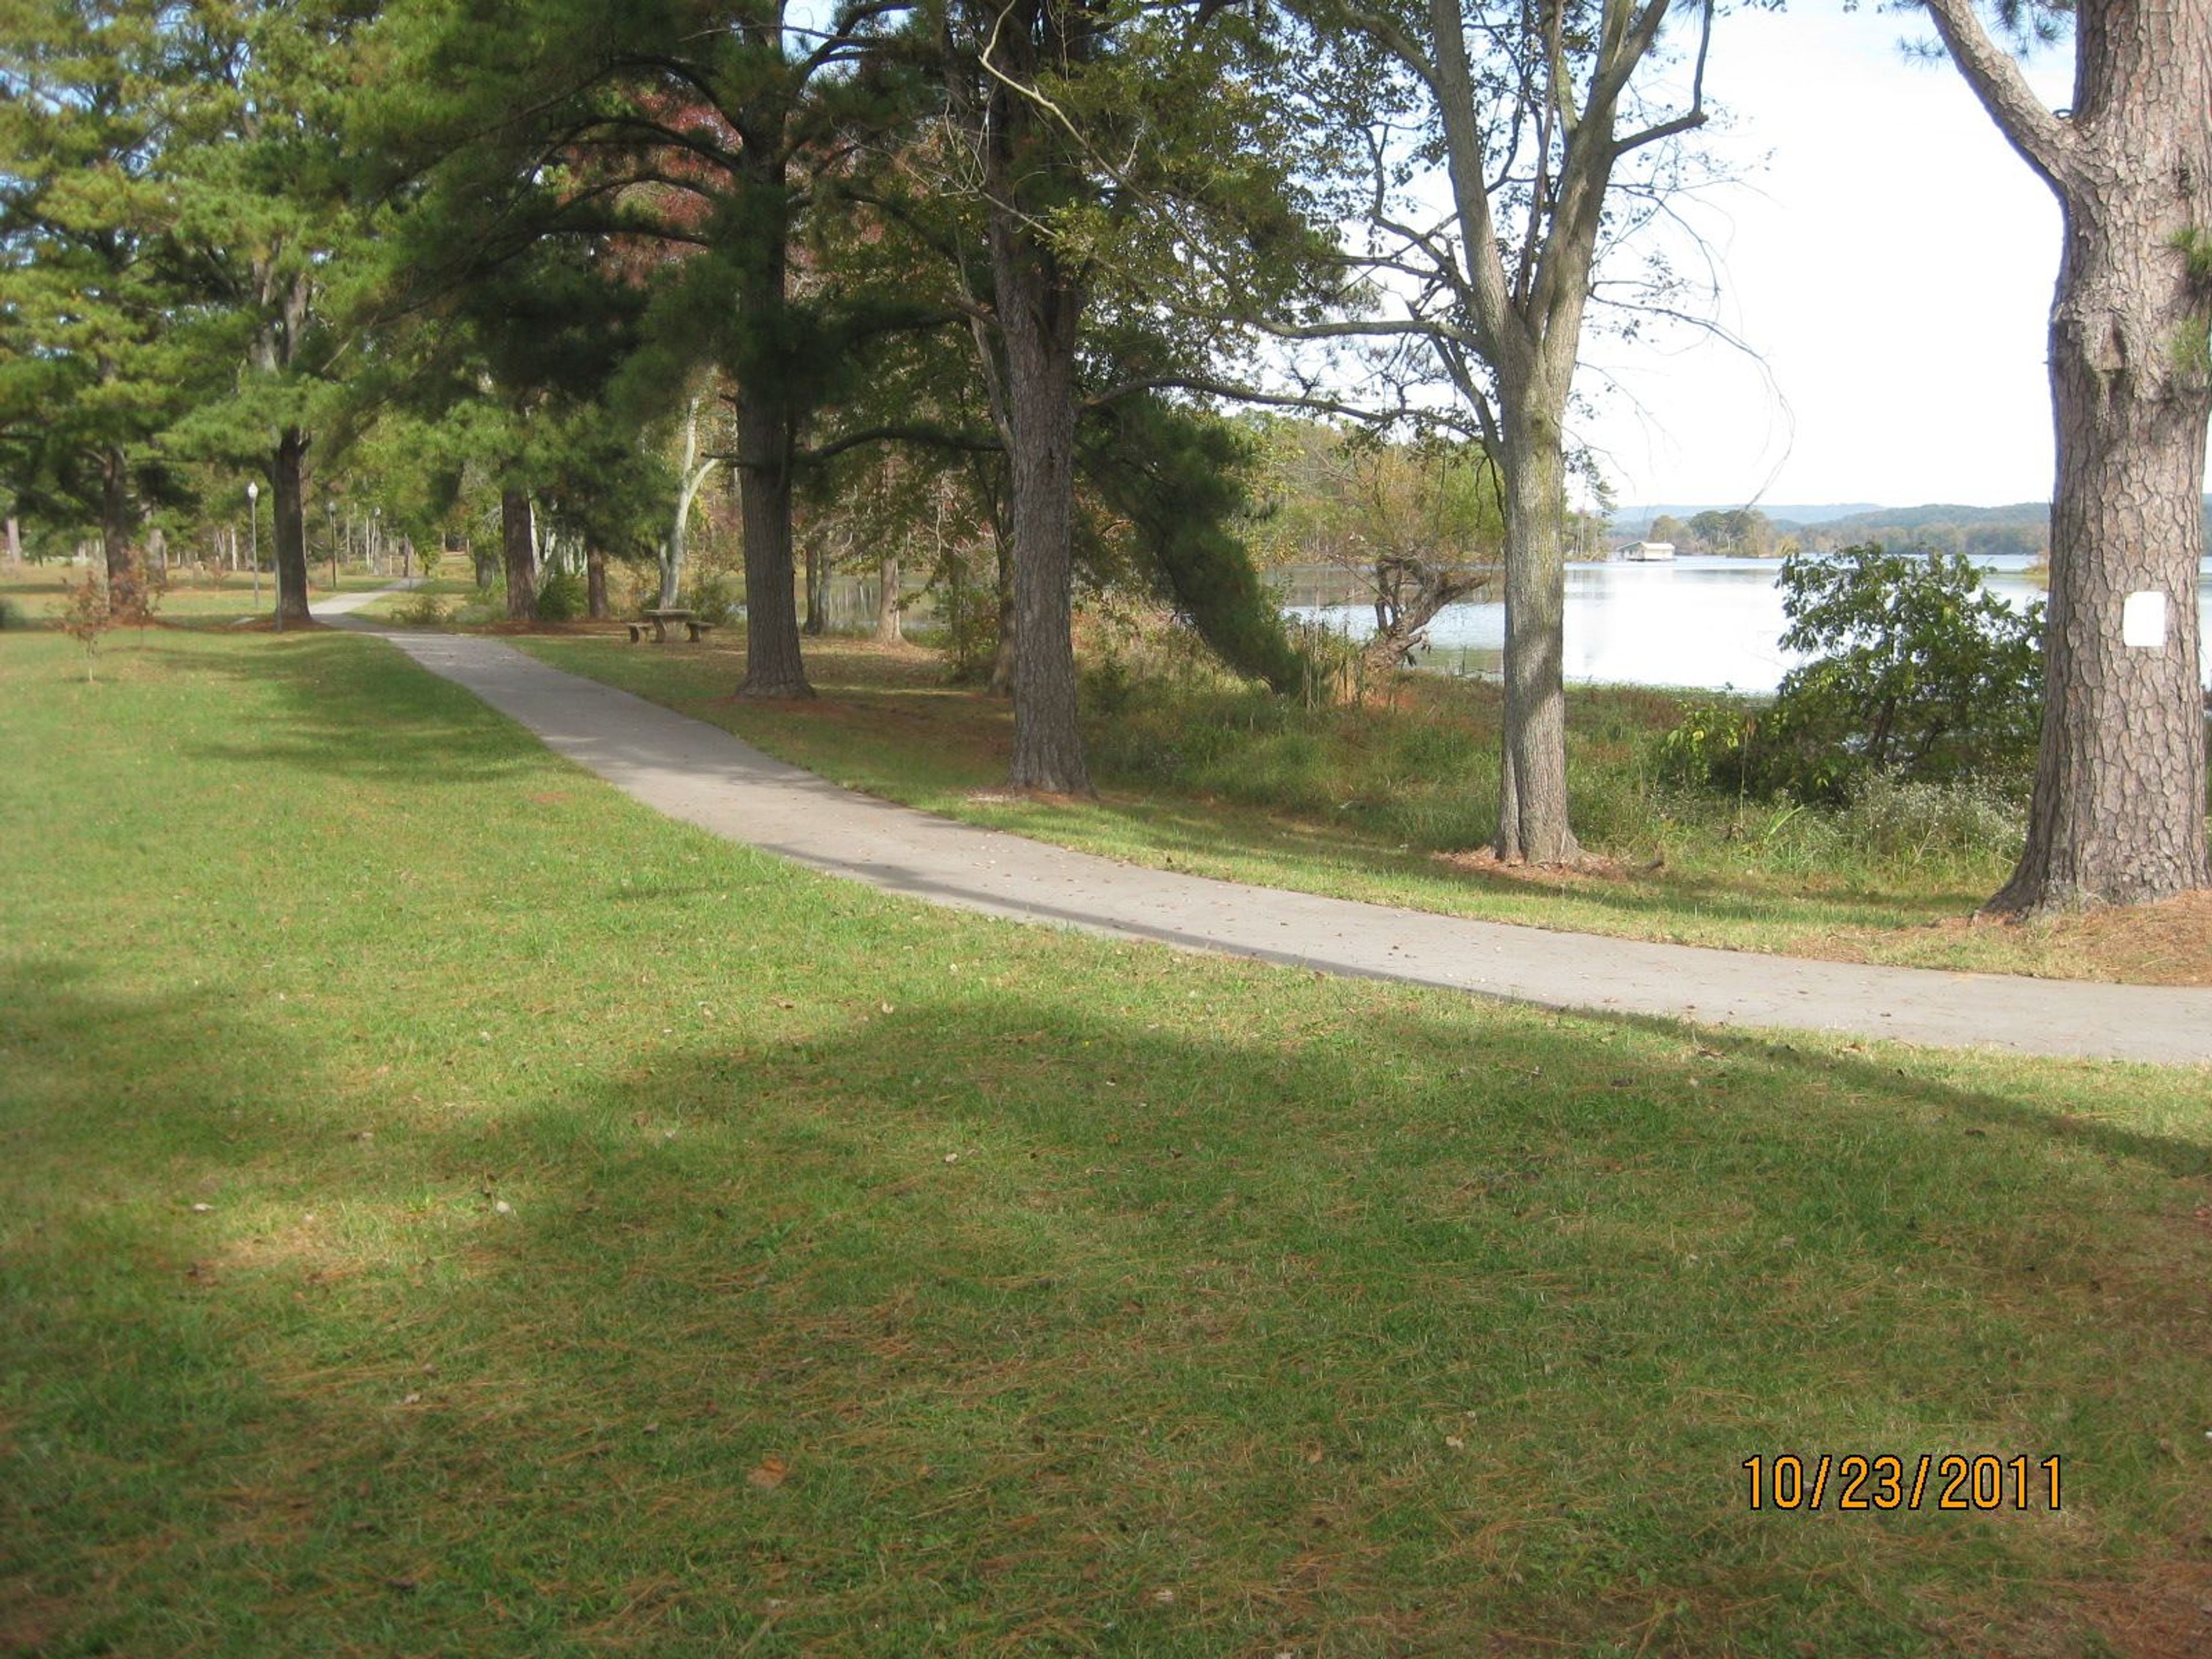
pixel 1889 257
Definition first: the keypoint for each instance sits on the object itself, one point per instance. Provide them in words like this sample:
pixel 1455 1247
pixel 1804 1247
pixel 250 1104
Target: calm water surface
pixel 1697 623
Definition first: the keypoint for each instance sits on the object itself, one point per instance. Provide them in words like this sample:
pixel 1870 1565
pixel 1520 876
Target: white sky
pixel 1889 257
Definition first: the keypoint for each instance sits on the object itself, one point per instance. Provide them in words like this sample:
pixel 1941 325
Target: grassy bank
pixel 448 1209
pixel 1378 803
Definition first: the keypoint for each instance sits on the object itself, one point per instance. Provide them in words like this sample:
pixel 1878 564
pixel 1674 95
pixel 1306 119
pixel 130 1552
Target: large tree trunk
pixel 115 514
pixel 2118 816
pixel 520 552
pixel 595 585
pixel 287 502
pixel 767 425
pixel 1532 788
pixel 1041 310
pixel 888 601
pixel 773 667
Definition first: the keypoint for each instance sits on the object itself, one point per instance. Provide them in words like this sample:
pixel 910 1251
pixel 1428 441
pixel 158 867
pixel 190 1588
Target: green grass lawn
pixel 1363 804
pixel 39 592
pixel 448 1209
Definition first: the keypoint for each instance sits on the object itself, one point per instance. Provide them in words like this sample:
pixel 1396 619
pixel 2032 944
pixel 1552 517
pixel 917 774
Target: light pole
pixel 253 535
pixel 330 529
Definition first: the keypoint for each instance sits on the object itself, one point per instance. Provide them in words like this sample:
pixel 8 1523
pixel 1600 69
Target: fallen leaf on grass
pixel 769 1475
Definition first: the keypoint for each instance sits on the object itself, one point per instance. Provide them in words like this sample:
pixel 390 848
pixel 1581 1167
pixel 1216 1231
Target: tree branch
pixel 936 437
pixel 2046 142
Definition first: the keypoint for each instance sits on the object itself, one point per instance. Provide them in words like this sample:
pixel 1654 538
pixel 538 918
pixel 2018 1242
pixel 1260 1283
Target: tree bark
pixel 115 514
pixel 888 601
pixel 1039 300
pixel 1002 590
pixel 2118 815
pixel 1040 309
pixel 1532 786
pixel 520 552
pixel 767 426
pixel 595 585
pixel 817 622
pixel 288 503
pixel 773 666
pixel 14 541
pixel 689 475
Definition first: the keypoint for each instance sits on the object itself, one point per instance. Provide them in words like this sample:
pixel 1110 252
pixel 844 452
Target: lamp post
pixel 330 528
pixel 254 536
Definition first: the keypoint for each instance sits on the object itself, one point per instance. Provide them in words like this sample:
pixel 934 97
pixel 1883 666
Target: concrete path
pixel 705 776
pixel 346 603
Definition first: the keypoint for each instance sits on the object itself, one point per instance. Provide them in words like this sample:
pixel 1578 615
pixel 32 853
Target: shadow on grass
pixel 1021 1322
pixel 330 687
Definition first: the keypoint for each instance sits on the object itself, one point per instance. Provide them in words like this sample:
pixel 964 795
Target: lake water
pixel 1697 623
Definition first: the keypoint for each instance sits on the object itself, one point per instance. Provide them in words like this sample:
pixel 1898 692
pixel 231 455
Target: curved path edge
pixel 705 776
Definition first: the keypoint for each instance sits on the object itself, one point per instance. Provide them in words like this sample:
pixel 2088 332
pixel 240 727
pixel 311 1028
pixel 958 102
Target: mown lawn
pixel 1380 804
pixel 448 1209
pixel 38 592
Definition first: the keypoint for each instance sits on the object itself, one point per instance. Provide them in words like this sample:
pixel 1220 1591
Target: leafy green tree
pixel 1129 170
pixel 691 138
pixel 1916 669
pixel 100 341
pixel 255 170
pixel 1533 111
pixel 1419 523
pixel 1178 479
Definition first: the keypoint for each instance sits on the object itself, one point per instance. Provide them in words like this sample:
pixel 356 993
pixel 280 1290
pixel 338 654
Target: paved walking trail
pixel 703 775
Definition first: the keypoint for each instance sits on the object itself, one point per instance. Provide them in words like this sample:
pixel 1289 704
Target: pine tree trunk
pixel 14 541
pixel 595 585
pixel 519 550
pixel 888 629
pixel 288 503
pixel 115 514
pixel 773 666
pixel 2118 815
pixel 1040 312
pixel 767 423
pixel 1532 789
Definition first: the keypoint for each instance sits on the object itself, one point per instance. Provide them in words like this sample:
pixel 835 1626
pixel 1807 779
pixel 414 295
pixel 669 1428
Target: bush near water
pixel 1919 673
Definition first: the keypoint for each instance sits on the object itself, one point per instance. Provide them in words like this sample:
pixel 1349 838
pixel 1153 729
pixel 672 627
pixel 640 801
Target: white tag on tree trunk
pixel 2142 622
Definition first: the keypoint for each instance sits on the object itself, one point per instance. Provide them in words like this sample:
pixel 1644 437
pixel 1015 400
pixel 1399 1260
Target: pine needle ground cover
pixel 445 1208
pixel 1383 802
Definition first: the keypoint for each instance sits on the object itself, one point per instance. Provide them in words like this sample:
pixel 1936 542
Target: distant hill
pixel 1905 519
pixel 2023 527
pixel 1634 520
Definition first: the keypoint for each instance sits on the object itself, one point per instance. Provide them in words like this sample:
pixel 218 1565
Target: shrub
pixel 713 596
pixel 1708 748
pixel 1897 820
pixel 423 610
pixel 562 597
pixel 1918 672
pixel 86 614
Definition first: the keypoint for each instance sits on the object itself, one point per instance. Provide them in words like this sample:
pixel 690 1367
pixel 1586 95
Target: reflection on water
pixel 1697 622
